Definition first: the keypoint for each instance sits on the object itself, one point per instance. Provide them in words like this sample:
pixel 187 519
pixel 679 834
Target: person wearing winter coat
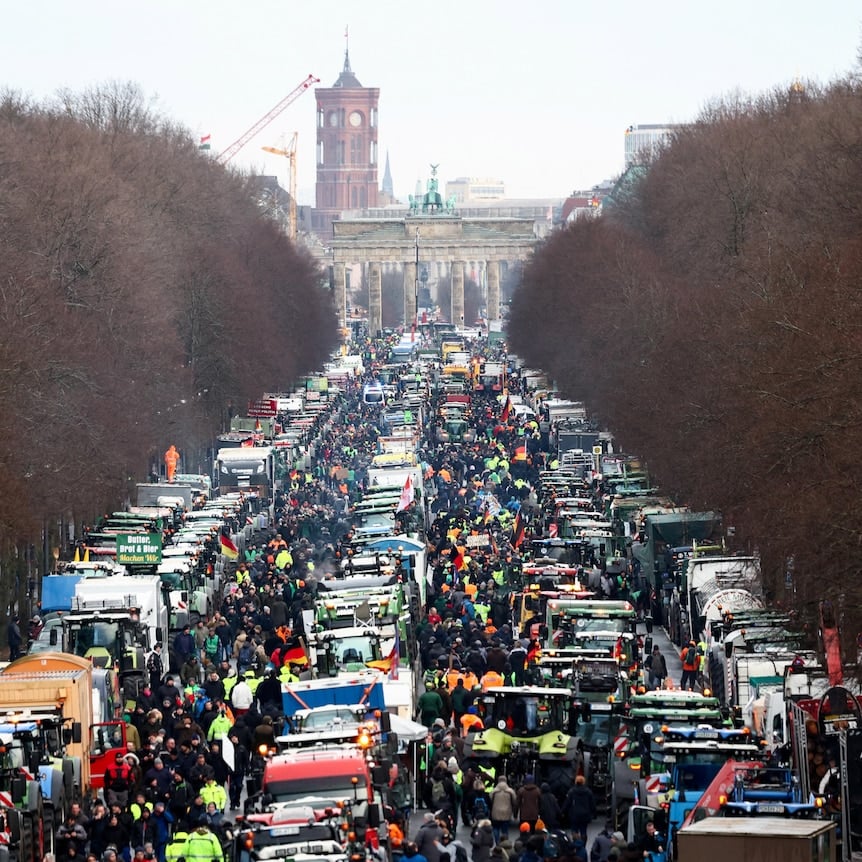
pixel 428 839
pixel 580 806
pixel 603 843
pixel 481 841
pixel 549 808
pixel 529 802
pixel 504 807
pixel 657 666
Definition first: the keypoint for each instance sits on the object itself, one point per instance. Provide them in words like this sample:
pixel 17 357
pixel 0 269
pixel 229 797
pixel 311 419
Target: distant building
pixel 644 141
pixel 346 149
pixel 468 190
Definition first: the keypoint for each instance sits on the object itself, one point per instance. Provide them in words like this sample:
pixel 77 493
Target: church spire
pixel 387 179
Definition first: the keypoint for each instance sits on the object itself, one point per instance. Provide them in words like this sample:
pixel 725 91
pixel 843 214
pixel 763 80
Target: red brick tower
pixel 347 154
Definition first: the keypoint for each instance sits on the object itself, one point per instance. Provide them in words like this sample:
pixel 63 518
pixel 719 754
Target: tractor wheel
pixel 27 849
pixel 70 791
pixel 49 827
pixel 34 797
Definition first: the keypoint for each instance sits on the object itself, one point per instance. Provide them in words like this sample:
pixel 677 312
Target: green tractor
pixel 26 821
pixel 527 731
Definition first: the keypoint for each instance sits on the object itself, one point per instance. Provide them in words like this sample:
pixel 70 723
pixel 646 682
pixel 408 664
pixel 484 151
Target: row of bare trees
pixel 713 318
pixel 142 291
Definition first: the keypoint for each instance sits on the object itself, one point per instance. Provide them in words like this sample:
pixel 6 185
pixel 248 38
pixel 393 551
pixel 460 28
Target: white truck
pixel 246 468
pixel 717 586
pixel 115 621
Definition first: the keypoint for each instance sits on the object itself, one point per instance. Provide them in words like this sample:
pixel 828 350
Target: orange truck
pixel 73 705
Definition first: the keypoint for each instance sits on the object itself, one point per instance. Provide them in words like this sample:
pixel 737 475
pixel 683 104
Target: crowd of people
pixel 218 698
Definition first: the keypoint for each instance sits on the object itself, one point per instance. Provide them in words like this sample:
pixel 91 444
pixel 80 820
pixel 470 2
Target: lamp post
pixel 416 289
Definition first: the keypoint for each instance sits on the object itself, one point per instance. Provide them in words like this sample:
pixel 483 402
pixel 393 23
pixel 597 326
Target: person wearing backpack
pixel 690 666
pixel 440 791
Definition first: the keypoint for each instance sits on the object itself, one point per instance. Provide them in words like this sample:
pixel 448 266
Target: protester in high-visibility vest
pixel 492 679
pixel 213 792
pixel 470 721
pixel 174 851
pixel 203 846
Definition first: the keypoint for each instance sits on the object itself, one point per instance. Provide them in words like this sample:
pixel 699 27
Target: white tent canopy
pixel 407 730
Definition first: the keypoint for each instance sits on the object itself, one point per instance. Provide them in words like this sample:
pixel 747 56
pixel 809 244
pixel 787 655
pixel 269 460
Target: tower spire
pixel 387 179
pixel 347 49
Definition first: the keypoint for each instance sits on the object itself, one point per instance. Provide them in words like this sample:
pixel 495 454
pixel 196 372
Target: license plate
pixel 279 831
pixel 770 808
pixel 706 734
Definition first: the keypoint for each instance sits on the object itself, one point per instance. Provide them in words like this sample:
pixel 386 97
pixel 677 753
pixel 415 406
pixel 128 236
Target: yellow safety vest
pixel 203 847
pixel 214 793
pixel 175 849
pixel 136 809
pixel 490 781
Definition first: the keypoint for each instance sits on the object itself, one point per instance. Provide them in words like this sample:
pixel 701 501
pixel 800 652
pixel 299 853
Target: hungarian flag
pixel 408 495
pixel 205 142
pixel 507 409
pixel 228 548
pixel 518 530
pixel 293 652
pixel 458 561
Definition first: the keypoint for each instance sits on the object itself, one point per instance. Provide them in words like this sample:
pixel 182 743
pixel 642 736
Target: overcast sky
pixel 537 93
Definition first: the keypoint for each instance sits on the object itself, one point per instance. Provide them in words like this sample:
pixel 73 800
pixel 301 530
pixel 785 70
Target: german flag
pixel 518 530
pixel 507 409
pixel 458 561
pixel 388 664
pixel 228 548
pixel 520 453
pixel 293 652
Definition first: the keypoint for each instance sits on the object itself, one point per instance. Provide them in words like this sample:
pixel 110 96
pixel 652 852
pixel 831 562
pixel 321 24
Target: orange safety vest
pixel 452 677
pixel 396 836
pixel 470 680
pixel 468 722
pixel 492 679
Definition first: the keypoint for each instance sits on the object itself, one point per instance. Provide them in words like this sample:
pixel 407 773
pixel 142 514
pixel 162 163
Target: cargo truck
pixel 53 705
pixel 718 839
pixel 114 622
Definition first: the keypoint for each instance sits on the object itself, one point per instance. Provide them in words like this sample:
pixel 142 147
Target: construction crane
pixel 226 155
pixel 290 154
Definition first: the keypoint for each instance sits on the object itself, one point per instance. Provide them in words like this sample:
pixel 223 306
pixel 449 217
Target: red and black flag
pixel 518 530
